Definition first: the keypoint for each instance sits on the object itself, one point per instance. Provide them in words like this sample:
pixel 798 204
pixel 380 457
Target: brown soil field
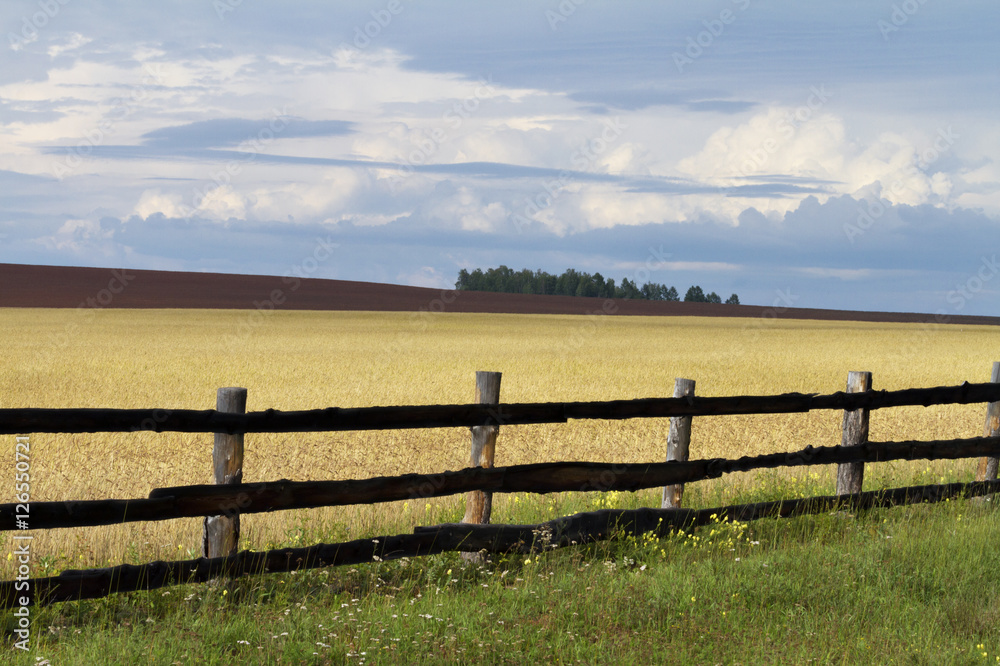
pixel 71 287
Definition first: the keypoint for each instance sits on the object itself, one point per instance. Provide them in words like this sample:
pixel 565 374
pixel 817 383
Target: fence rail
pixel 333 419
pixel 221 505
pixel 572 530
pixel 208 500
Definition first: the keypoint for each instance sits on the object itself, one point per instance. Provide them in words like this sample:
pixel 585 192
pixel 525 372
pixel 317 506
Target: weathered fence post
pixel 678 443
pixel 988 466
pixel 479 504
pixel 221 535
pixel 854 433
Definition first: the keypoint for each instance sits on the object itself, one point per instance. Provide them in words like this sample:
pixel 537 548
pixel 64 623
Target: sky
pixel 827 155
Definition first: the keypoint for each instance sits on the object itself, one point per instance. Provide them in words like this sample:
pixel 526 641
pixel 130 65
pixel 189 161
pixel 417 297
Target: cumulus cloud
pixel 84 237
pixel 426 276
pixel 814 147
pixel 154 201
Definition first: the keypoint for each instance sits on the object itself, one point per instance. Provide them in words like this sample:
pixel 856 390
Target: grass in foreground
pixel 906 585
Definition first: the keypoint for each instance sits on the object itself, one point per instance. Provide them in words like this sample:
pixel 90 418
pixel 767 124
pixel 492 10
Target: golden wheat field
pixel 304 360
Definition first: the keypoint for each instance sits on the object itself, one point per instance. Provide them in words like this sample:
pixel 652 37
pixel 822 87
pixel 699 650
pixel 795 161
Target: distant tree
pixel 713 298
pixel 733 300
pixel 595 283
pixel 694 295
pixel 463 279
pixel 629 290
pixel 609 288
pixel 477 281
pixel 570 283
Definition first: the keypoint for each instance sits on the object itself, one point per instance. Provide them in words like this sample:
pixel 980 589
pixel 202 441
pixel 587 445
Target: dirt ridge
pixel 23 285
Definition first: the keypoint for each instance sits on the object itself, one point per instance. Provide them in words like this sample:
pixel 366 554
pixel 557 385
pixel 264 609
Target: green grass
pixel 909 585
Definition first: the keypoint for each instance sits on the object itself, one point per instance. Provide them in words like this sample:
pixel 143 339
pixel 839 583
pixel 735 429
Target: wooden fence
pixel 223 503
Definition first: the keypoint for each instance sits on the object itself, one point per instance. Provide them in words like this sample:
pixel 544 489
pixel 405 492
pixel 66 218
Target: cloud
pixel 74 42
pixel 772 142
pixel 426 276
pixel 227 132
pixel 84 237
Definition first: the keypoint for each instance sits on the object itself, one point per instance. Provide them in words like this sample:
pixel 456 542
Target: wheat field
pixel 305 360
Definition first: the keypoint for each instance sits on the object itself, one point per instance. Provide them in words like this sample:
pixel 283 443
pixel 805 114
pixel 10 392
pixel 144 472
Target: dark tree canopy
pixel 574 283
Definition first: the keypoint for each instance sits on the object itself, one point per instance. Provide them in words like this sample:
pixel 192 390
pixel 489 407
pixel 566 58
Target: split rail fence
pixel 223 503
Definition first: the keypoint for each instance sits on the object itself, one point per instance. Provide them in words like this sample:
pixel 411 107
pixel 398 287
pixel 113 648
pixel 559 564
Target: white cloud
pixel 466 209
pixel 425 276
pixel 154 201
pixel 82 237
pixel 893 167
pixel 604 207
pixel 772 142
pixel 75 41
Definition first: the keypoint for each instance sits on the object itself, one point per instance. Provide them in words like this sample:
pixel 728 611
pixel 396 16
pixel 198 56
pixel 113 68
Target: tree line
pixel 576 283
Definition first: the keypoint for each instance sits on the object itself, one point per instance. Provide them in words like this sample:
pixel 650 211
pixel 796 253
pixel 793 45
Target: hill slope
pixel 70 287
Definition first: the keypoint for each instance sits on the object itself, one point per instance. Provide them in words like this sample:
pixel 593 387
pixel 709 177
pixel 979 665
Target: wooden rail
pixel 209 500
pixel 464 537
pixel 331 419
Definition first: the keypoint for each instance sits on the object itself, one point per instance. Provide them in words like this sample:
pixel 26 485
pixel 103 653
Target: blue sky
pixel 843 153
